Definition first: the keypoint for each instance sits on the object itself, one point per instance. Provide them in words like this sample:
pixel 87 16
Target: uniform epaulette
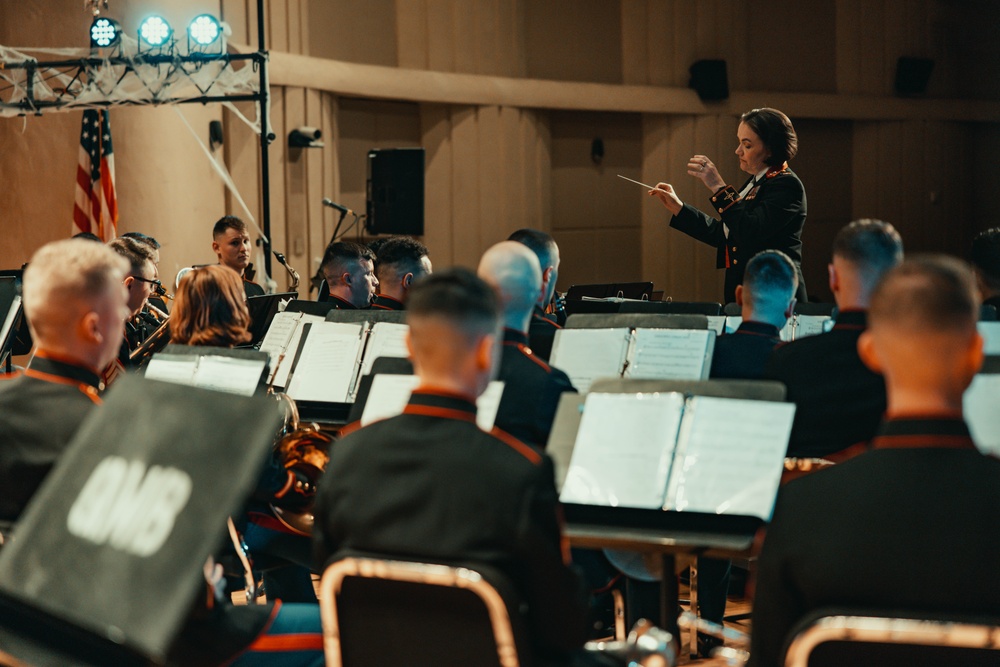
pixel 526 351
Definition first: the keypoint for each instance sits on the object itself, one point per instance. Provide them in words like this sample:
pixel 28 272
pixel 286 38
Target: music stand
pixel 372 316
pixel 636 321
pixel 638 291
pixel 382 365
pixel 10 315
pixel 262 311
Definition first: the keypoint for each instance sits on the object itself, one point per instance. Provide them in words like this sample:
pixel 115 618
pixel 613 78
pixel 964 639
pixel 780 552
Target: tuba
pixel 305 450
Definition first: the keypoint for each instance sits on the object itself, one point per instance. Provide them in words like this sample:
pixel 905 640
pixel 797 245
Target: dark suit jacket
pixel 531 391
pixel 252 289
pixel 428 485
pixel 898 529
pixel 542 333
pixel 770 218
pixel 742 354
pixel 839 402
pixel 40 412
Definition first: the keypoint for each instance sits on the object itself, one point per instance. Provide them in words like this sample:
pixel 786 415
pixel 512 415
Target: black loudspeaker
pixel 912 76
pixel 396 191
pixel 709 80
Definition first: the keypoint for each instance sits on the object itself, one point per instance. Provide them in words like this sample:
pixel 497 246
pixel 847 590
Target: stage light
pixel 204 30
pixel 155 31
pixel 104 32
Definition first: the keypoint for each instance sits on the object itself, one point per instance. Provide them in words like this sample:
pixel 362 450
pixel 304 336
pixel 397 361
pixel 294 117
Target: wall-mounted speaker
pixel 396 191
pixel 709 80
pixel 912 76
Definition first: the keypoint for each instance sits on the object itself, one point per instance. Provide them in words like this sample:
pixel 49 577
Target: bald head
pixel 515 273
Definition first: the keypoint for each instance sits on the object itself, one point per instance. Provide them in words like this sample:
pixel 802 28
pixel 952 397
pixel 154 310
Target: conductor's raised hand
pixel 704 170
pixel 665 193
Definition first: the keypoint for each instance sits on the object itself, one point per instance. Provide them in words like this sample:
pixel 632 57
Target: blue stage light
pixel 155 31
pixel 204 30
pixel 104 32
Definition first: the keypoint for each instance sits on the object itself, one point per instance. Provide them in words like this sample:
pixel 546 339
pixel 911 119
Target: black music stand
pixel 262 311
pixel 381 366
pixel 372 316
pixel 10 317
pixel 666 533
pixel 638 291
pixel 636 321
pixel 671 307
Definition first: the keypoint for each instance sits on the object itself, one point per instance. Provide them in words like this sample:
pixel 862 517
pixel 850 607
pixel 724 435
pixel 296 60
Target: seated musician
pixel 898 529
pixel 543 327
pixel 231 243
pixel 531 387
pixel 985 259
pixel 428 485
pixel 156 298
pixel 349 271
pixel 140 281
pixel 76 304
pixel 210 309
pixel 839 401
pixel 400 261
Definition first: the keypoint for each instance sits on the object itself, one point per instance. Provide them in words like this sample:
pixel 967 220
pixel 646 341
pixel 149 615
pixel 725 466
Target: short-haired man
pixel 900 529
pixel 542 330
pixel 140 282
pixel 839 401
pixel 349 271
pixel 531 387
pixel 767 299
pixel 76 304
pixel 985 258
pixel 231 243
pixel 399 261
pixel 430 485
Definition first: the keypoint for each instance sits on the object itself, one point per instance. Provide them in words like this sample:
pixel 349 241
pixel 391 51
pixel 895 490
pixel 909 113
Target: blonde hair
pixel 210 309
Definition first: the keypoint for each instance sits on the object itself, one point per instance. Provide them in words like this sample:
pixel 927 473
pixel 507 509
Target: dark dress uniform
pixel 252 289
pixel 531 391
pixel 743 354
pixel 769 217
pixel 839 401
pixel 898 529
pixel 542 333
pixel 383 302
pixel 40 411
pixel 429 485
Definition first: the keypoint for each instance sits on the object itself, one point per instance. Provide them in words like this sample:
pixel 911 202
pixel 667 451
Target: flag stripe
pixel 96 202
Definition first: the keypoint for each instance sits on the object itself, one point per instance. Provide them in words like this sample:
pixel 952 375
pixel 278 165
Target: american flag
pixel 96 207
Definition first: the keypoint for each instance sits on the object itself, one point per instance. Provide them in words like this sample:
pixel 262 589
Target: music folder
pixel 262 311
pixel 107 561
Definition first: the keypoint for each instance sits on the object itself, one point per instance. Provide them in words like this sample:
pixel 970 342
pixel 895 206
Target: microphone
pixel 332 204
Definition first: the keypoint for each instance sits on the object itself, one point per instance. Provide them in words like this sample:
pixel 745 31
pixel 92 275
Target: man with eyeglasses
pixel 140 282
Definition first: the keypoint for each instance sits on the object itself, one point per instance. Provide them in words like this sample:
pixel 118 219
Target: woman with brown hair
pixel 210 309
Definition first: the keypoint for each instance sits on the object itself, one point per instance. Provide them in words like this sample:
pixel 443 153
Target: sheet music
pixel 229 374
pixel 326 367
pixel 979 405
pixel 390 394
pixel 671 354
pixel 730 455
pixel 176 368
pixel 588 354
pixel 275 340
pixel 280 374
pixel 387 339
pixel 8 322
pixel 990 331
pixel 717 323
pixel 810 325
pixel 786 334
pixel 623 450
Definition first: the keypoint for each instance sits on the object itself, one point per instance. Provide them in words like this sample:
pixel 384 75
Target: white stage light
pixel 204 30
pixel 104 32
pixel 155 31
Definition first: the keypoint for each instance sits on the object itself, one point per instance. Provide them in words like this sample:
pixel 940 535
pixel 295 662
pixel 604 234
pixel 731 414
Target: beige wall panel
pixel 297 41
pixel 493 202
pixel 296 189
pixel 435 130
pixel 509 38
pixel 465 187
pixel 874 78
pixel 597 256
pixel 277 25
pixel 440 35
pixel 543 157
pixel 234 12
pixel 242 158
pixel 512 166
pixel 331 179
pixel 655 218
pixel 277 157
pixel 357 32
pixel 490 52
pixel 465 38
pixel 846 28
pixel 705 29
pixel 531 214
pixel 985 147
pixel 635 42
pixel 866 170
pixel 801 57
pixel 317 183
pixel 661 44
pixel 588 46
pixel 411 33
pixel 683 27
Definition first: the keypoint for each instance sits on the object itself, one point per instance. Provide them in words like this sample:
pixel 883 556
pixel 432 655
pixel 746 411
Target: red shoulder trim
pixel 546 320
pixel 350 428
pixel 85 389
pixel 526 351
pixel 443 413
pixel 524 450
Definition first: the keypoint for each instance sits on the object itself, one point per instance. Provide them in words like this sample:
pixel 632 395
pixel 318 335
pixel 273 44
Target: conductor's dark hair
pixel 985 256
pixel 928 294
pixel 88 236
pixel 873 246
pixel 770 276
pixel 400 254
pixel 143 238
pixel 229 222
pixel 458 295
pixel 540 243
pixel 344 252
pixel 136 252
pixel 776 132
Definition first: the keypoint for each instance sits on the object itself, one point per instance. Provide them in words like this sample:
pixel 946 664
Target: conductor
pixel 767 212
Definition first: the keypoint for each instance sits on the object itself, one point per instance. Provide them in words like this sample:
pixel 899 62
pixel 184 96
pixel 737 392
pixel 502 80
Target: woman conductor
pixel 768 212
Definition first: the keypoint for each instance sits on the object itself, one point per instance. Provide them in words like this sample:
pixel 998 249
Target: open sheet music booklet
pixel 390 394
pixel 664 451
pixel 658 354
pixel 233 375
pixel 979 406
pixel 316 360
pixel 798 326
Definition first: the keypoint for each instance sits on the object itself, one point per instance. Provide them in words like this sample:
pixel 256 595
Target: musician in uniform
pixel 839 401
pixel 898 530
pixel 543 326
pixel 430 485
pixel 140 281
pixel 399 262
pixel 210 309
pixel 768 211
pixel 531 387
pixel 349 271
pixel 231 243
pixel 76 304
pixel 985 259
